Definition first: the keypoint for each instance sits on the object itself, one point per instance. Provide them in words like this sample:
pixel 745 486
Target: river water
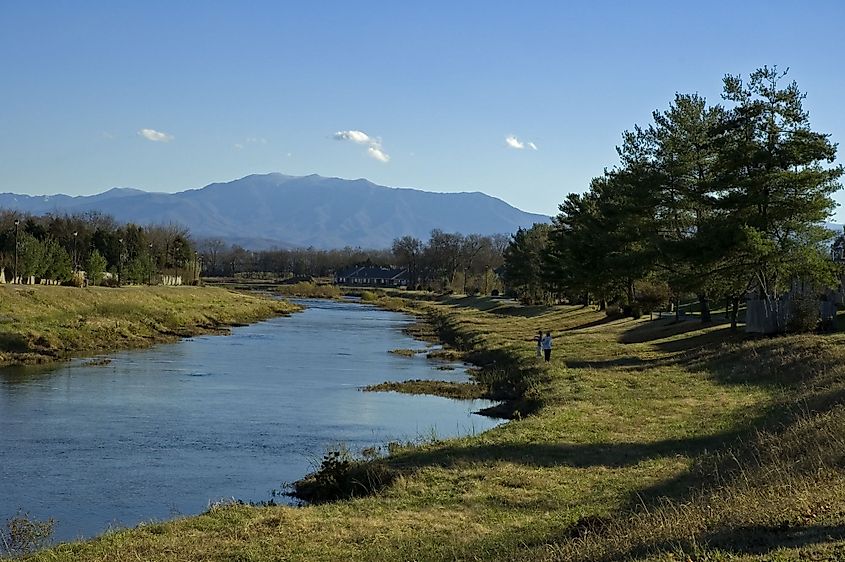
pixel 161 432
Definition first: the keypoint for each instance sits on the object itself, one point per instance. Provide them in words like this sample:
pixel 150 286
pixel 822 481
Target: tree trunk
pixel 705 307
pixel 602 305
pixel 734 312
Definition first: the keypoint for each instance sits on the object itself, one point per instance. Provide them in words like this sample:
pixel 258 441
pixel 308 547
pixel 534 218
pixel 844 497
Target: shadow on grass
pixel 628 361
pixel 593 324
pixel 745 540
pixel 13 343
pixel 762 539
pixel 607 455
pixel 699 341
pixel 496 306
pixel 654 330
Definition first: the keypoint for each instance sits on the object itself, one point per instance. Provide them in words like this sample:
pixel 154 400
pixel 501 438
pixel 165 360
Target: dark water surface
pixel 160 432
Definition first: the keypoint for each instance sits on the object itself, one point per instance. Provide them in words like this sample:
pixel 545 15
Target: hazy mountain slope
pixel 297 211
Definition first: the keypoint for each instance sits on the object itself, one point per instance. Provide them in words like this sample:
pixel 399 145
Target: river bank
pixel 641 440
pixel 44 324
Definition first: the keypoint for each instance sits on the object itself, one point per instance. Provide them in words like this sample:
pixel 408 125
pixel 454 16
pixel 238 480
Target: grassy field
pixel 45 323
pixel 642 440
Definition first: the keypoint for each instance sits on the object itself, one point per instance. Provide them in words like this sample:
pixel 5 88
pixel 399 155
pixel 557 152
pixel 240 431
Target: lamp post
pixel 75 266
pixel 17 223
pixel 151 263
pixel 120 263
pixel 196 266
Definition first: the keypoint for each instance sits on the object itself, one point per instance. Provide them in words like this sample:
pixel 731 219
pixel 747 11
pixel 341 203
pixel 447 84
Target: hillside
pixel 261 211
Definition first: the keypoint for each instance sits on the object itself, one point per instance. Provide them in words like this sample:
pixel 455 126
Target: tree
pixel 30 256
pixel 96 267
pixel 57 263
pixel 691 248
pixel 443 254
pixel 774 185
pixel 407 251
pixel 524 263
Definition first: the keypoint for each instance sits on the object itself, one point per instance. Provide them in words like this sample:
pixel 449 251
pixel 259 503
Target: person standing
pixel 546 344
pixel 539 339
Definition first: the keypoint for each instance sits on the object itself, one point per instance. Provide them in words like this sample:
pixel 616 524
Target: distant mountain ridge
pixel 262 211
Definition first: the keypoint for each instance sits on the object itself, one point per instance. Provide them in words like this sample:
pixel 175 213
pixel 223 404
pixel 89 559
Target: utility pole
pixel 17 223
pixel 152 263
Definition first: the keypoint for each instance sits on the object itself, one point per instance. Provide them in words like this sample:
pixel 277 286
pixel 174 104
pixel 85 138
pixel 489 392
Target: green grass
pixel 40 324
pixel 641 440
pixel 446 389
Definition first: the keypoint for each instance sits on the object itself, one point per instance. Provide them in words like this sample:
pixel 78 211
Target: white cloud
pixel 359 137
pixel 376 152
pixel 374 149
pixel 239 146
pixel 155 136
pixel 514 142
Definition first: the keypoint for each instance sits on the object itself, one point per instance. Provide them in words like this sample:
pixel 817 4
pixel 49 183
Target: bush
pixel 652 295
pixel 636 311
pixel 368 296
pixel 803 313
pixel 613 311
pixel 307 289
pixel 24 534
pixel 494 293
pixel 339 476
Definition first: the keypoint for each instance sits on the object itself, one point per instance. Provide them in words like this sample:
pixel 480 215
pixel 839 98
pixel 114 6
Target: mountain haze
pixel 261 211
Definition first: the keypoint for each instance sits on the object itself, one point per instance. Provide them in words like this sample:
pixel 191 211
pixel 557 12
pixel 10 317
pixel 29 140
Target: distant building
pixel 369 276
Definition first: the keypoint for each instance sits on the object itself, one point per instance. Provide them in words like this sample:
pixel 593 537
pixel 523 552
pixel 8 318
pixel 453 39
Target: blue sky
pixel 167 96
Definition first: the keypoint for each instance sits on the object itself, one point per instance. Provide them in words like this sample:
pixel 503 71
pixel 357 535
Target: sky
pixel 525 101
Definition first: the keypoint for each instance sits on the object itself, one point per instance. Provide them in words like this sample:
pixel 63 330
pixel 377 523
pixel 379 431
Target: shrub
pixel 110 282
pixel 368 296
pixel 636 311
pixel 803 313
pixel 340 476
pixel 652 295
pixel 613 311
pixel 24 534
pixel 494 293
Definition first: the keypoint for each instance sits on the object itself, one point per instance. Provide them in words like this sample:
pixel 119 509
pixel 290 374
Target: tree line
pixel 446 261
pixel 714 201
pixel 55 246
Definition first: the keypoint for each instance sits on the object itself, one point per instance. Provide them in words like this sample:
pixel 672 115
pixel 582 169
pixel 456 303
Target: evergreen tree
pixel 775 182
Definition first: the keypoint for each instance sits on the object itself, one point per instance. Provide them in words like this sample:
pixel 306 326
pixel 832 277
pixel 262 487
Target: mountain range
pixel 276 210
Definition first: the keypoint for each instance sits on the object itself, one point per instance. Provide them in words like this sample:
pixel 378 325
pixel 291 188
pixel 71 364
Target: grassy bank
pixel 43 323
pixel 641 440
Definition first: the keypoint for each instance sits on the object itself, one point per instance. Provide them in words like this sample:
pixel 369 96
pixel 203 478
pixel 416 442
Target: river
pixel 161 432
